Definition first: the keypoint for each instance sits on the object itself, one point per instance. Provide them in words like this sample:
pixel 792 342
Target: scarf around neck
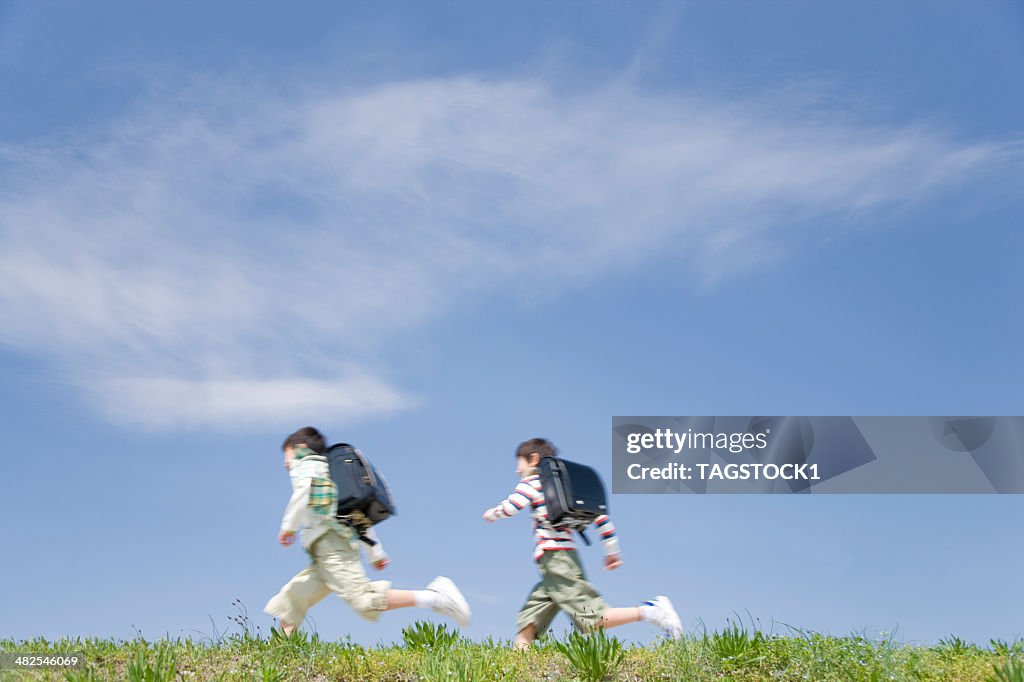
pixel 303 451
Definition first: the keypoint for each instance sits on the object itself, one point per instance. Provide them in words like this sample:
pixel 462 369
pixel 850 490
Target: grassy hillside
pixel 429 652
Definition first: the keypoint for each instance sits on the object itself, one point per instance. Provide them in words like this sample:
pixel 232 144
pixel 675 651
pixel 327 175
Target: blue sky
pixel 434 231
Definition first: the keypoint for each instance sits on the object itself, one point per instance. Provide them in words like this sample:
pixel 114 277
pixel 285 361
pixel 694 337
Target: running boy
pixel 336 565
pixel 562 584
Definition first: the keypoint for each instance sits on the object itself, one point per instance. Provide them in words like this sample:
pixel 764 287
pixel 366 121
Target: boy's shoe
pixel 665 617
pixel 450 601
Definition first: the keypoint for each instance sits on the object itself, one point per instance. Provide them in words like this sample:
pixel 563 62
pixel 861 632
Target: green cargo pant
pixel 563 587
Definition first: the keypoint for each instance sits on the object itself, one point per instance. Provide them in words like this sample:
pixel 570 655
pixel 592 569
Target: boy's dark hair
pixel 541 446
pixel 313 439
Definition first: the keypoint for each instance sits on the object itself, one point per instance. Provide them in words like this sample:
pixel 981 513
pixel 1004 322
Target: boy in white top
pixel 333 547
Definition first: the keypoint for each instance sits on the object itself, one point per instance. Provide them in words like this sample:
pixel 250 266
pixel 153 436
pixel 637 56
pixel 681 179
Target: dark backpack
pixel 573 493
pixel 364 498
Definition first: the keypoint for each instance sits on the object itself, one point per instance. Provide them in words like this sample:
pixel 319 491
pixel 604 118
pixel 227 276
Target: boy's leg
pixel 525 637
pixel 567 587
pixel 292 602
pixel 342 571
pixel 338 564
pixel 535 617
pixel 400 599
pixel 441 596
pixel 615 617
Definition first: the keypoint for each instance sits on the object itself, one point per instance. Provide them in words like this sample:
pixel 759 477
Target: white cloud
pixel 167 402
pixel 210 257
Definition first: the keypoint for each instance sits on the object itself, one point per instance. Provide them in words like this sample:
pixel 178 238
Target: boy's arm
pixel 376 552
pixel 521 497
pixel 291 521
pixel 609 539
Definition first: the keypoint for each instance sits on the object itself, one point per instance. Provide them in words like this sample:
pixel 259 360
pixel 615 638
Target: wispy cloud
pixel 165 402
pixel 230 254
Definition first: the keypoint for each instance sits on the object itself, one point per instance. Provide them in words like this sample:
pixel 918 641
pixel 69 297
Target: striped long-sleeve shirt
pixel 529 494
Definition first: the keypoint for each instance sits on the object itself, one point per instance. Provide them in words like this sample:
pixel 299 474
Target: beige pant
pixel 336 568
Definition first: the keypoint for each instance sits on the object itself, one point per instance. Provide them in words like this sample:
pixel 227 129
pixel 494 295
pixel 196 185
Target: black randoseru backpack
pixel 573 493
pixel 364 498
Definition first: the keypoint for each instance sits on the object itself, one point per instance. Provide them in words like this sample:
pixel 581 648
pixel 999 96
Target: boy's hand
pixel 286 537
pixel 612 561
pixel 489 516
pixel 381 564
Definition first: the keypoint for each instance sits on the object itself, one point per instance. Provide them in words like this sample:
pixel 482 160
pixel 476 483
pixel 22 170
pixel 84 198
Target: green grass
pixel 594 657
pixel 423 636
pixel 430 652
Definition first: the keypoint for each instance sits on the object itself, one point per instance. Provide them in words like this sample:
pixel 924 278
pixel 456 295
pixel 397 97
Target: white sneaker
pixel 450 601
pixel 665 617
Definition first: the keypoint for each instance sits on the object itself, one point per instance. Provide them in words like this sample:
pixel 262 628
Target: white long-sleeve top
pixel 529 493
pixel 299 515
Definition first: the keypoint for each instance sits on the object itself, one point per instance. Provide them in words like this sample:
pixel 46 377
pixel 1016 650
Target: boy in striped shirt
pixel 563 586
